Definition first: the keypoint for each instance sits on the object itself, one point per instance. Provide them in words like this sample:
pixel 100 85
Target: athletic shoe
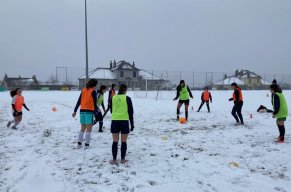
pixel 123 161
pixel 100 131
pixel 280 141
pixel 79 146
pixel 9 123
pixel 86 146
pixel 113 162
pixel 14 127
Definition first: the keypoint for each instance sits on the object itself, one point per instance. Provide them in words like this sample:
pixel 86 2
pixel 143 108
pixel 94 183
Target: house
pixel 123 72
pixel 245 79
pixel 249 78
pixel 10 83
pixel 226 83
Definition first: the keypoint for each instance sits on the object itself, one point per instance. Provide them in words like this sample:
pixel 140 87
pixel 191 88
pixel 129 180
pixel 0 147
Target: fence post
pixel 193 81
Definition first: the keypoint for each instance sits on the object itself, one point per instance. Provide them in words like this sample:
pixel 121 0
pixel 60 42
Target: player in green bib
pixel 280 110
pixel 184 94
pixel 122 114
pixel 100 102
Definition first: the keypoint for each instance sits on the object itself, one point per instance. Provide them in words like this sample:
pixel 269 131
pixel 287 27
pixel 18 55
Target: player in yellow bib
pixel 122 114
pixel 100 103
pixel 184 94
pixel 280 110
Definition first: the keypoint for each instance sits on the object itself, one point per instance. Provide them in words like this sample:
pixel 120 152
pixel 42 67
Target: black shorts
pixel 118 126
pixel 186 102
pixel 18 114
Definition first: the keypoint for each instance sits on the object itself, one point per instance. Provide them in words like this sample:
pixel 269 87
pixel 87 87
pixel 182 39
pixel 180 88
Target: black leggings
pixel 202 103
pixel 236 112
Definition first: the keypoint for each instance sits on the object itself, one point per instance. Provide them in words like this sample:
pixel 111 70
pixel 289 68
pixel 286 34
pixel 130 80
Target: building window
pixel 134 74
pixel 121 73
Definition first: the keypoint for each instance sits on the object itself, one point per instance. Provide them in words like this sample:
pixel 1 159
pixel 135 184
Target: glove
pixel 27 109
pixel 132 127
pixel 15 113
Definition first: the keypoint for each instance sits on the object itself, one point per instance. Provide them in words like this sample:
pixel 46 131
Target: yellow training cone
pixel 165 138
pixel 234 164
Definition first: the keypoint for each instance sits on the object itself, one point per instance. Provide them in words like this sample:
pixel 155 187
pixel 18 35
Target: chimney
pixel 114 64
pixel 110 64
pixel 133 64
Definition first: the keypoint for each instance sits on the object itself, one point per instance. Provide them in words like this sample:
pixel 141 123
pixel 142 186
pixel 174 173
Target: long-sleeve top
pixel 276 101
pixel 236 94
pixel 98 96
pixel 178 92
pixel 210 97
pixel 110 97
pixel 94 95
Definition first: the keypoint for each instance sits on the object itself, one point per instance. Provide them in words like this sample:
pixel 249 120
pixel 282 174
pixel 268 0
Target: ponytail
pixel 14 92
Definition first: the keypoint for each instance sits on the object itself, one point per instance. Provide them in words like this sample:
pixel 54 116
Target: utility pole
pixel 86 43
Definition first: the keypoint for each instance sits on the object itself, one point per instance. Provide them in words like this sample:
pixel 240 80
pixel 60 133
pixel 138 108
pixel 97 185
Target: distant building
pixel 124 72
pixel 10 83
pixel 245 79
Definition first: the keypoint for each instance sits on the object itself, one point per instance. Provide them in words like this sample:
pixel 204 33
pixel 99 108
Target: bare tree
pixel 52 79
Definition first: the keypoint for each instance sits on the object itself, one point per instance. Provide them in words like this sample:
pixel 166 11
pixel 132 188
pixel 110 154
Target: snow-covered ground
pixel 164 155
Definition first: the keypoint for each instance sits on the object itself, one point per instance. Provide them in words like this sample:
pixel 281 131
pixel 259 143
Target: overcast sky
pixel 188 35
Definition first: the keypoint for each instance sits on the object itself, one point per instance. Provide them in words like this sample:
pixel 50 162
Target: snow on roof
pixel 147 75
pixel 229 81
pixel 251 75
pixel 124 65
pixel 100 73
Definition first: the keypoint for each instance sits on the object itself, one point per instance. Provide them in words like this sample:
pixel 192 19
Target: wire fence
pixel 170 79
pixel 198 80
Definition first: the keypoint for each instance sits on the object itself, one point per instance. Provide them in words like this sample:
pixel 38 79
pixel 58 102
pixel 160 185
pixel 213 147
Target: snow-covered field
pixel 164 155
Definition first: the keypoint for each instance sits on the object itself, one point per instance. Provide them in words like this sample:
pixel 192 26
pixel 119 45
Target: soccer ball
pixel 182 120
pixel 47 132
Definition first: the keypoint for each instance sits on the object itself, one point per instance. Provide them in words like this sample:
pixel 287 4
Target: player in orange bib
pixel 205 98
pixel 237 98
pixel 17 104
pixel 88 109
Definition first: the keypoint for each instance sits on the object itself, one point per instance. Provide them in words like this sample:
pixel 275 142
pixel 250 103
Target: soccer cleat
pixel 9 123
